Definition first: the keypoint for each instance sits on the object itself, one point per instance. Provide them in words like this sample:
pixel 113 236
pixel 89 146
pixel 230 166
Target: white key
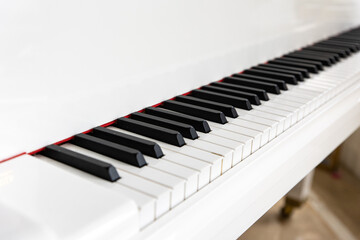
pixel 161 193
pixel 295 110
pixel 319 84
pixel 330 91
pixel 247 141
pixel 330 88
pixel 214 160
pixel 325 83
pixel 189 175
pixel 311 101
pixel 280 120
pixel 266 122
pixel 317 96
pixel 237 147
pixel 255 135
pixel 310 97
pixel 323 97
pixel 145 203
pixel 320 87
pixel 308 92
pixel 288 115
pixel 300 95
pixel 265 130
pixel 306 103
pixel 311 87
pixel 290 103
pixel 225 152
pixel 176 184
pixel 202 167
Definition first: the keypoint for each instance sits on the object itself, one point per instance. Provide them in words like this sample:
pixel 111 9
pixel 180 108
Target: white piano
pixel 167 120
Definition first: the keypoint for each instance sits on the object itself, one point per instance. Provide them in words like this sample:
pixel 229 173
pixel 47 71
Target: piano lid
pixel 68 66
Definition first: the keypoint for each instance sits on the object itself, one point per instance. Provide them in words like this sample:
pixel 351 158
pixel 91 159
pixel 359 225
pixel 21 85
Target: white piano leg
pixel 297 196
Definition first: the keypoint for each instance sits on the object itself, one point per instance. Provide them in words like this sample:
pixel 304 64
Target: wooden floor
pixel 331 212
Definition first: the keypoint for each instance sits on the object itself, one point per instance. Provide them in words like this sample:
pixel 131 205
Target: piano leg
pixel 297 196
pixel 334 160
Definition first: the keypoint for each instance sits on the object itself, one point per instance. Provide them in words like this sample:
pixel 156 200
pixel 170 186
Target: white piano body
pixel 68 66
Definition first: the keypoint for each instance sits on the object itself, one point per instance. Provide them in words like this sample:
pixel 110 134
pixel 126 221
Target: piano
pixel 167 120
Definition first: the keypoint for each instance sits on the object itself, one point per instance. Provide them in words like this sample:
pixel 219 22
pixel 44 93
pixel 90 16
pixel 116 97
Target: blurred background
pixel 332 210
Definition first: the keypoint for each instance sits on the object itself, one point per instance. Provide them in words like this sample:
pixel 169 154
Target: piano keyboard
pixel 164 154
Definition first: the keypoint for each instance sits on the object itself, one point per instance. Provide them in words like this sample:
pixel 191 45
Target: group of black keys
pixel 183 116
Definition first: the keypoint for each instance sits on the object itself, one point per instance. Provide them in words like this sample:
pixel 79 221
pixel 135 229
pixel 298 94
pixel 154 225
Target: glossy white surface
pixel 66 66
pixel 244 192
pixel 42 201
pixel 67 69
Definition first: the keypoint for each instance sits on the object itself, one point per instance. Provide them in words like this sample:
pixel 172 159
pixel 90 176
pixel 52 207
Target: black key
pixel 297 75
pixel 349 34
pixel 147 147
pixel 341 53
pixel 193 110
pixel 152 131
pixel 264 73
pixel 82 162
pixel 238 102
pixel 227 109
pixel 346 39
pixel 281 84
pixel 328 51
pixel 353 33
pixel 253 98
pixel 259 92
pixel 335 47
pixel 303 71
pixel 316 64
pixel 344 50
pixel 323 60
pixel 333 57
pixel 110 149
pixel 347 42
pixel 309 67
pixel 269 87
pixel 199 124
pixel 351 46
pixel 186 130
